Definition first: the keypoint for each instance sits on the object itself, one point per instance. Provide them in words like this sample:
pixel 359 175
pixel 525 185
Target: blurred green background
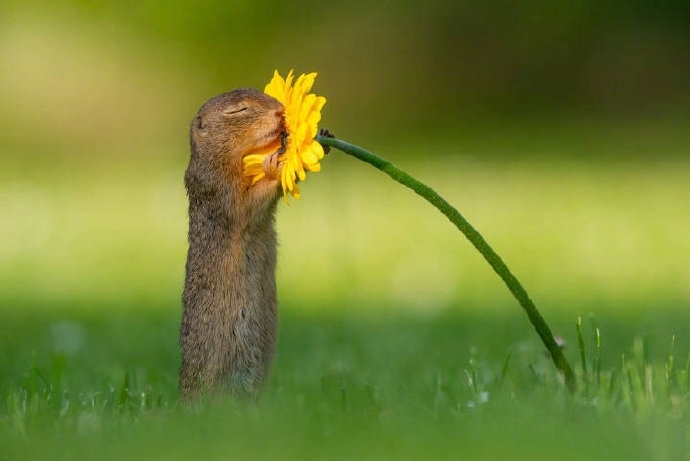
pixel 560 130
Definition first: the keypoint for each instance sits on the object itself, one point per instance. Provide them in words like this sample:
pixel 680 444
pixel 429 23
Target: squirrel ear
pixel 200 123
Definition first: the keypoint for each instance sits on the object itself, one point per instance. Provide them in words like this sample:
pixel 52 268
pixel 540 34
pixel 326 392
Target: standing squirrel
pixel 229 320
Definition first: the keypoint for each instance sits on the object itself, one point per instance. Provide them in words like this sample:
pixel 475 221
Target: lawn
pixel 396 339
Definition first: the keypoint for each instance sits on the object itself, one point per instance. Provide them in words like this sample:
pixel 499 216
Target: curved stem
pixel 476 239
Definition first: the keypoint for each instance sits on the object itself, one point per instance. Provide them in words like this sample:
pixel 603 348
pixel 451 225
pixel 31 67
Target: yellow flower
pixel 302 116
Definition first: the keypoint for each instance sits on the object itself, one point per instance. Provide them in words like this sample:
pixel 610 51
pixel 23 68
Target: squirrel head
pixel 228 127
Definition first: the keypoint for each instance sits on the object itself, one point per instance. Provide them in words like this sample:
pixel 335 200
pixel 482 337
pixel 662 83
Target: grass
pixel 396 340
pixel 343 387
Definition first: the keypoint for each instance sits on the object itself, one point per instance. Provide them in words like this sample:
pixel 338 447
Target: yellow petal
pixel 310 155
pixel 295 192
pixel 298 168
pixel 302 116
pixel 253 159
pixel 306 106
pixel 254 169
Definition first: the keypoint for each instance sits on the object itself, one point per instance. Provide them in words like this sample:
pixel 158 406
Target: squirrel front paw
pixel 272 164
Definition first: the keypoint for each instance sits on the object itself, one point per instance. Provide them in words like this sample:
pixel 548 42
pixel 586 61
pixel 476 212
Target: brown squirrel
pixel 229 320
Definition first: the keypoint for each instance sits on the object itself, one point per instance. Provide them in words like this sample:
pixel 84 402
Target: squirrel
pixel 229 318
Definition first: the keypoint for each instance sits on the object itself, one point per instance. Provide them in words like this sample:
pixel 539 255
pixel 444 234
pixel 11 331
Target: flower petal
pixel 310 155
pixel 302 116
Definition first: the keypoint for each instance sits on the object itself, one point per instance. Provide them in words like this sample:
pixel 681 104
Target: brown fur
pixel 229 320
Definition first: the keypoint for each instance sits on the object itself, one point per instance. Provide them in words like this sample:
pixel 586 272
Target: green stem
pixel 476 239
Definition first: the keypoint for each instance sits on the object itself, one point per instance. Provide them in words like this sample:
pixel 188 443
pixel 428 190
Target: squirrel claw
pixel 272 165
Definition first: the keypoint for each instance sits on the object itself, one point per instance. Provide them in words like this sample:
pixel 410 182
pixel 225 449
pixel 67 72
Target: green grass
pixel 343 387
pixel 396 339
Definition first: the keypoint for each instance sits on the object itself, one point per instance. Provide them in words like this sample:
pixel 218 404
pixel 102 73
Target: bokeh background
pixel 560 130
